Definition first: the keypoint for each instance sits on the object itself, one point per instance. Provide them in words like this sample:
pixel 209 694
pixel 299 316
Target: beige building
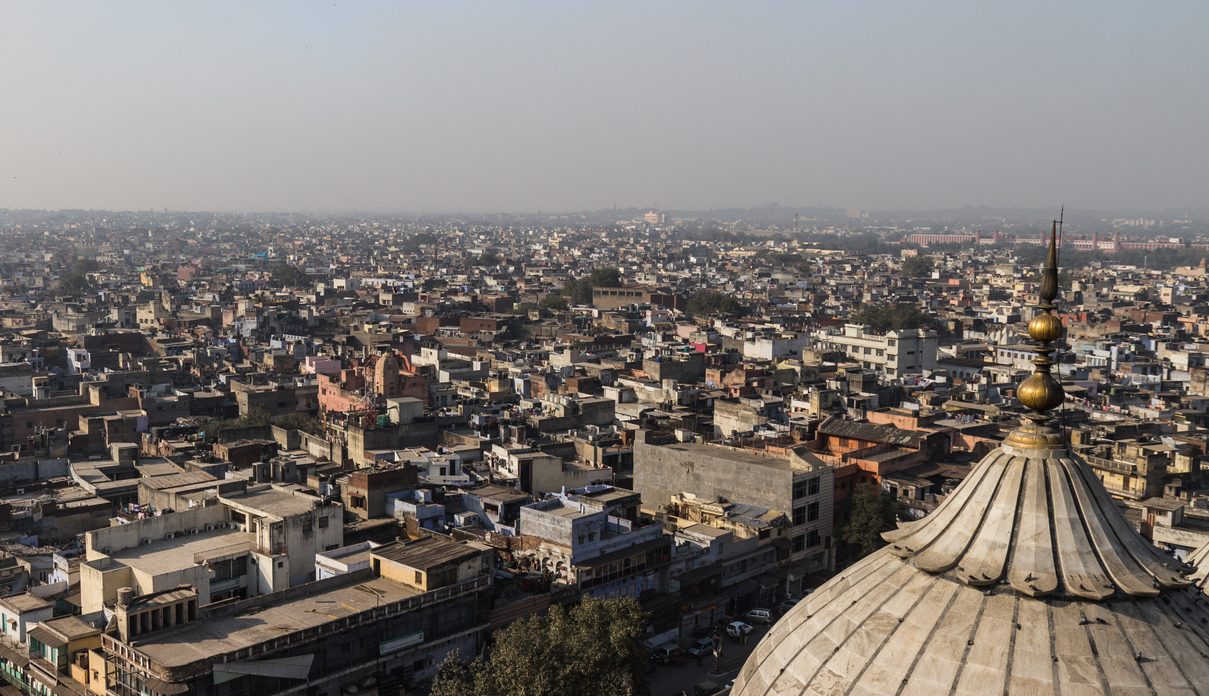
pixel 250 544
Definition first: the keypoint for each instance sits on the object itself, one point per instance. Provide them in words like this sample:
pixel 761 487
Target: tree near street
pixel 595 648
pixel 873 512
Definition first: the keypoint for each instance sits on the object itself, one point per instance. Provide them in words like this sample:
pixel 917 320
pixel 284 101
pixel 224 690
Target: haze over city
pixel 511 107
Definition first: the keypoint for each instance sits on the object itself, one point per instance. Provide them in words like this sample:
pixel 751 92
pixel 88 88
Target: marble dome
pixel 1026 579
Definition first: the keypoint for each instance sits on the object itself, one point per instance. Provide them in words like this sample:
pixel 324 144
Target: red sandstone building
pixel 386 375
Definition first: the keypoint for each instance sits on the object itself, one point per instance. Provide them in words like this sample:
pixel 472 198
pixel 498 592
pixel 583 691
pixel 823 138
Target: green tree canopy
pixel 881 318
pixel 580 291
pixel 595 648
pixel 918 266
pixel 605 278
pixel 873 512
pixel 254 418
pixel 553 302
pixel 76 280
pixel 486 258
pixel 300 421
pixel 287 275
pixel 712 302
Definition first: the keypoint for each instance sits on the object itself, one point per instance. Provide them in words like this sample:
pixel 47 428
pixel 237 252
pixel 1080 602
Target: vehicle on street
pixel 759 615
pixel 665 654
pixel 738 629
pixel 703 647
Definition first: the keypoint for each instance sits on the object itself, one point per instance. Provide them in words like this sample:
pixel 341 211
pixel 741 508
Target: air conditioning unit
pixel 20 491
pixel 107 550
pixel 146 541
pixel 170 535
pixel 193 531
pixel 209 527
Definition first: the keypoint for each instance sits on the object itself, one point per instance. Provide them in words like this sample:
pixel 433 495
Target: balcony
pixel 1111 465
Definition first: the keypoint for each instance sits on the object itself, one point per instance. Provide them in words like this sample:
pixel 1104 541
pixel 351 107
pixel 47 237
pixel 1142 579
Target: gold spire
pixel 1042 392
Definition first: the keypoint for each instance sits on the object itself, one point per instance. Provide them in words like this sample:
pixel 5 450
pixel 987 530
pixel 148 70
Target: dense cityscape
pixel 312 454
pixel 677 348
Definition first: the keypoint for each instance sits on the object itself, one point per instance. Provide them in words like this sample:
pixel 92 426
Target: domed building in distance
pixel 1025 580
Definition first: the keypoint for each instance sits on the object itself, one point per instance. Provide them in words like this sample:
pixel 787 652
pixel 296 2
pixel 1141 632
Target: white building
pixel 896 353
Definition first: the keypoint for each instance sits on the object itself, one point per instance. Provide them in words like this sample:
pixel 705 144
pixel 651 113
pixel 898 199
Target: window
pixel 419 576
pixel 799 543
pixel 807 487
pixel 812 538
pixel 812 512
pixel 799 516
pixel 323 522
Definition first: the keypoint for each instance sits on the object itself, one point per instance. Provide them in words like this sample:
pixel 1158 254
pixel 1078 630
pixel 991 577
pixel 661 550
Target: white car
pixel 760 616
pixel 738 629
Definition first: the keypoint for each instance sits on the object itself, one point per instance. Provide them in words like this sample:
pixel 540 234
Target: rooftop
pixel 273 502
pixel 164 555
pixel 773 461
pixel 428 552
pixel 203 640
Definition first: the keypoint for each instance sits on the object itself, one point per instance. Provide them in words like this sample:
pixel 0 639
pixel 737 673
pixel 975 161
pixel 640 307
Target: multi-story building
pixel 795 483
pixel 594 539
pixel 394 621
pixel 896 353
pixel 255 543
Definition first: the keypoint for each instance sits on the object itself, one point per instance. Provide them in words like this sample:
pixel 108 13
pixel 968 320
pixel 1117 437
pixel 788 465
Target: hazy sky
pixel 514 106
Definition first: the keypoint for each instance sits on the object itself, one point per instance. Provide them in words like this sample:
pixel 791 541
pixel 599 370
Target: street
pixel 670 680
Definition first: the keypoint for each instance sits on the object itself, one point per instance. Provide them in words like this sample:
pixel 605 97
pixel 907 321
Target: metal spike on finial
pixel 1041 392
pixel 1049 274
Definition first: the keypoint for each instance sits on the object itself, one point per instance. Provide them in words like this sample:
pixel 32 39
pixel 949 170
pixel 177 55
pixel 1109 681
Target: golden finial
pixel 1042 392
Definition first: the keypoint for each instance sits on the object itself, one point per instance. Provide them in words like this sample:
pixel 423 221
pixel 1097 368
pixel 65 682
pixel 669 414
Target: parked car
pixel 738 629
pixel 703 646
pixel 759 615
pixel 665 654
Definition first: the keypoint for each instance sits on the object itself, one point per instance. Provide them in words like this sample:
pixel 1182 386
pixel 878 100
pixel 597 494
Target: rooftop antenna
pixel 1063 416
pixel 1061 216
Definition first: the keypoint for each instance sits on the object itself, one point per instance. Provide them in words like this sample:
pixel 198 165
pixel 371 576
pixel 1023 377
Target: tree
pixel 254 418
pixel 76 280
pixel 712 302
pixel 74 283
pixel 605 278
pixel 287 275
pixel 881 318
pixel 595 648
pixel 918 266
pixel 873 512
pixel 553 302
pixel 300 421
pixel 580 291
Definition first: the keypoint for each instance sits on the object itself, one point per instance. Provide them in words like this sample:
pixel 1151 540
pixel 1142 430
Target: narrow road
pixel 670 680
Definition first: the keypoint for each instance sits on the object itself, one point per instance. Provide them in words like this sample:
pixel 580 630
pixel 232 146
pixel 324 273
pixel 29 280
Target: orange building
pixel 358 388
